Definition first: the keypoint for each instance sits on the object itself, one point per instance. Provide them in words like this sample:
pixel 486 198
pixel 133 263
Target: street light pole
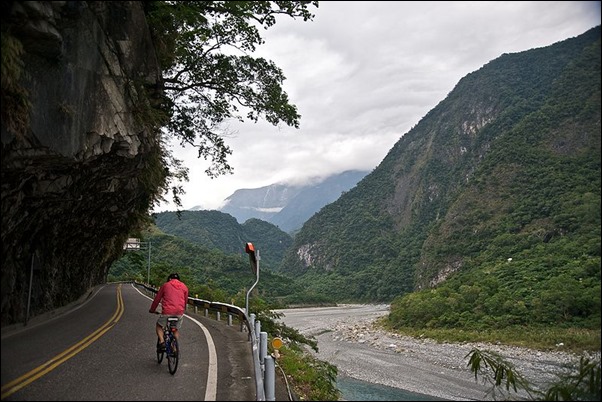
pixel 254 258
pixel 148 269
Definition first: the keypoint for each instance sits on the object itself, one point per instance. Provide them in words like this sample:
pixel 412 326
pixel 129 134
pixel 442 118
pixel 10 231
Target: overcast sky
pixel 363 73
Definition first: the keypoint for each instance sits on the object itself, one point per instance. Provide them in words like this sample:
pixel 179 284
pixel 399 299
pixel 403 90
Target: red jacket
pixel 173 296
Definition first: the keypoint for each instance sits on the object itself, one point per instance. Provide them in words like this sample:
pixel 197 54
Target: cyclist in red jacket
pixel 173 296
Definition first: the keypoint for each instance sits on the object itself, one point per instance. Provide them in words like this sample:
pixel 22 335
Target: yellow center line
pixel 27 378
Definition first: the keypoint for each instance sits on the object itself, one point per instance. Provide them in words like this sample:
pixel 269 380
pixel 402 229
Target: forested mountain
pixel 218 230
pixel 490 204
pixel 210 273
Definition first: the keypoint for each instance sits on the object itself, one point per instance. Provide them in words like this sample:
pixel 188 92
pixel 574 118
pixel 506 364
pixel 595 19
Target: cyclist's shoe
pixel 161 347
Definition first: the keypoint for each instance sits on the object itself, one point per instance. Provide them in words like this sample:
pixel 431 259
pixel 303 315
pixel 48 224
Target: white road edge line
pixel 211 390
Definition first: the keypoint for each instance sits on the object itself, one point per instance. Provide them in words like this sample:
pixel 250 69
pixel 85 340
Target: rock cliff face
pixel 81 164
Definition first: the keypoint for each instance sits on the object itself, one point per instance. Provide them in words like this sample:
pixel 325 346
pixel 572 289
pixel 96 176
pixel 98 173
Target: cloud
pixel 363 73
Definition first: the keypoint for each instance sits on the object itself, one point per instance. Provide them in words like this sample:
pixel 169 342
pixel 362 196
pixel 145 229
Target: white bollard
pixel 269 381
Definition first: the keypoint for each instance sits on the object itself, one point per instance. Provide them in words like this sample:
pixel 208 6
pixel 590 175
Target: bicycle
pixel 172 348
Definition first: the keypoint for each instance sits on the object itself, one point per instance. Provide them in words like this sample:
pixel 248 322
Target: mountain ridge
pixel 221 231
pixel 506 166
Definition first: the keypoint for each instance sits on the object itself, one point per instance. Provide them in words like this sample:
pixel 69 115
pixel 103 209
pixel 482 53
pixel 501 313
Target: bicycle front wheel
pixel 173 356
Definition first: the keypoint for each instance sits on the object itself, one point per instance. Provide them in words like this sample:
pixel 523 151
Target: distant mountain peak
pixel 288 206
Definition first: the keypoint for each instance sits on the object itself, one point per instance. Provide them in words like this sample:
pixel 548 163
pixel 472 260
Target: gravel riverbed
pixel 348 339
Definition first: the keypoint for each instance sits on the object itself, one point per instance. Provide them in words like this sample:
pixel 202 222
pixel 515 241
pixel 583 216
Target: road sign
pixel 276 343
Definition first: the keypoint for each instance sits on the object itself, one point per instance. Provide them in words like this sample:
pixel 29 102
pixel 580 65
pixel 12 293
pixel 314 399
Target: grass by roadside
pixel 309 379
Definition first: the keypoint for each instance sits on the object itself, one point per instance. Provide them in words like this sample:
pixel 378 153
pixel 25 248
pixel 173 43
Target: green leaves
pixel 209 76
pixel 581 383
pixel 494 370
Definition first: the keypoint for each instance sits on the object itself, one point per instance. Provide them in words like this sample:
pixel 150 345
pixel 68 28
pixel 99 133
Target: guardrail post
pixel 218 316
pixel 257 329
pixel 206 312
pixel 263 346
pixel 270 379
pixel 229 319
pixel 251 324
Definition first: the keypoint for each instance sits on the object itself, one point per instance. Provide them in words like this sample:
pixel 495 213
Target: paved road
pixel 104 349
pixel 347 339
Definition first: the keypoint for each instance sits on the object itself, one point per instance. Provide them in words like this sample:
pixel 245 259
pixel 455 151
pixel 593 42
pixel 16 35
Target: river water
pixel 357 390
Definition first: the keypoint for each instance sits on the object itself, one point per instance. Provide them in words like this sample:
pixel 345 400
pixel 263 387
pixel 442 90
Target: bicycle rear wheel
pixel 160 351
pixel 173 355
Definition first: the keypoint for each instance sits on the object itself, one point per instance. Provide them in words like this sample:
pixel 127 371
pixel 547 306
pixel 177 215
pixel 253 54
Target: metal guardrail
pixel 263 364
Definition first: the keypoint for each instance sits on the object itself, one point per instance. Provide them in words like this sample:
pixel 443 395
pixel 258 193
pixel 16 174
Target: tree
pixel 209 76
